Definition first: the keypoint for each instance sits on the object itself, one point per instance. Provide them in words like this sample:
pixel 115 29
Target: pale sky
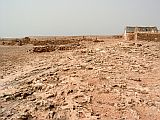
pixel 19 18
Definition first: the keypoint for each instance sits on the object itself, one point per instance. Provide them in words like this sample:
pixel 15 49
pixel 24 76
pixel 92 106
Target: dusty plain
pixel 106 79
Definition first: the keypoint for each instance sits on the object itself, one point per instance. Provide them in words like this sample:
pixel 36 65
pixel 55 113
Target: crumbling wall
pixel 148 36
pixel 103 37
pixel 54 42
pixel 43 48
pixel 142 36
pixel 129 36
pixel 15 41
pixel 50 48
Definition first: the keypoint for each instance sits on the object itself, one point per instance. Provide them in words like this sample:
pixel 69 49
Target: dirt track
pixel 110 80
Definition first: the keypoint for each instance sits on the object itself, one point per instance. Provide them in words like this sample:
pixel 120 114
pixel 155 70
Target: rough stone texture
pixel 50 48
pixel 46 48
pixel 110 80
pixel 143 36
pixel 148 36
pixel 54 42
pixel 129 36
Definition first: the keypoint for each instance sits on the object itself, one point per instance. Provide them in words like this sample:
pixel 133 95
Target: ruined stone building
pixel 131 33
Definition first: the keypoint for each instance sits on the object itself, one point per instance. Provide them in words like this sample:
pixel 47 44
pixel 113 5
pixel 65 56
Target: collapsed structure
pixel 141 33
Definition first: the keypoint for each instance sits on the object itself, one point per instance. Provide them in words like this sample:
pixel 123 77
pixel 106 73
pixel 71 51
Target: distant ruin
pixel 142 33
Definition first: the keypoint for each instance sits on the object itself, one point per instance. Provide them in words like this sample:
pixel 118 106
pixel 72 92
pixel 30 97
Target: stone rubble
pixel 107 80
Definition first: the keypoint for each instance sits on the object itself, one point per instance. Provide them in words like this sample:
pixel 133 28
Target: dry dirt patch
pixel 108 80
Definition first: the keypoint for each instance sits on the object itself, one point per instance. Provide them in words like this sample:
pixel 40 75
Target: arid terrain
pixel 105 79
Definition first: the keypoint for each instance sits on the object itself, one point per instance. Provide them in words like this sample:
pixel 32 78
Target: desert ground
pixel 105 79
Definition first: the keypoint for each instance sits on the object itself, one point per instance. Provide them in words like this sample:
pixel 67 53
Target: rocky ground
pixel 106 80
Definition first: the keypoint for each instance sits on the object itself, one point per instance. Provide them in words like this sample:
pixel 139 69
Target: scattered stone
pixel 98 40
pixel 50 107
pixel 52 95
pixel 24 116
pixel 51 114
pixel 131 44
pixel 136 79
pixel 102 81
pixel 66 69
pixel 139 45
pixel 70 91
pixel 8 98
pixel 2 77
pixel 88 60
pixel 44 49
pixel 89 67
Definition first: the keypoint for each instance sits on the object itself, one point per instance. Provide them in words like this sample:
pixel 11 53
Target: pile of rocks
pixel 50 48
pixel 46 48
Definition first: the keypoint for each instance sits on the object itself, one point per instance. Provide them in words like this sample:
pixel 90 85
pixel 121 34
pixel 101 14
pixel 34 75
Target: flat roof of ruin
pixel 141 28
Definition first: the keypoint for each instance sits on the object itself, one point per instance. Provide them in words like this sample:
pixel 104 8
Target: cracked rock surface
pixel 107 80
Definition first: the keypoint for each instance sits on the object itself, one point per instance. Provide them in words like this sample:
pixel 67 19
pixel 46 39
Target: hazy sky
pixel 20 18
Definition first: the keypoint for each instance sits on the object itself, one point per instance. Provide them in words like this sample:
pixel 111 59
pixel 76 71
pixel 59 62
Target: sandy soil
pixel 110 80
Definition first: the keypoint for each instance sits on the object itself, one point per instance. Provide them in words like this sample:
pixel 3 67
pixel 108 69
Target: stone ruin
pixel 142 33
pixel 50 48
pixel 15 41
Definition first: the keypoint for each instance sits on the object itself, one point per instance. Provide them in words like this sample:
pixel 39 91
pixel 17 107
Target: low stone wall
pixel 142 36
pixel 148 36
pixel 15 41
pixel 54 42
pixel 129 36
pixel 50 48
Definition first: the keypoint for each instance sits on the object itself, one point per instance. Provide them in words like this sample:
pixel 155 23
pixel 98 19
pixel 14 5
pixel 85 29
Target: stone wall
pixel 148 36
pixel 54 42
pixel 142 36
pixel 129 36
pixel 50 48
